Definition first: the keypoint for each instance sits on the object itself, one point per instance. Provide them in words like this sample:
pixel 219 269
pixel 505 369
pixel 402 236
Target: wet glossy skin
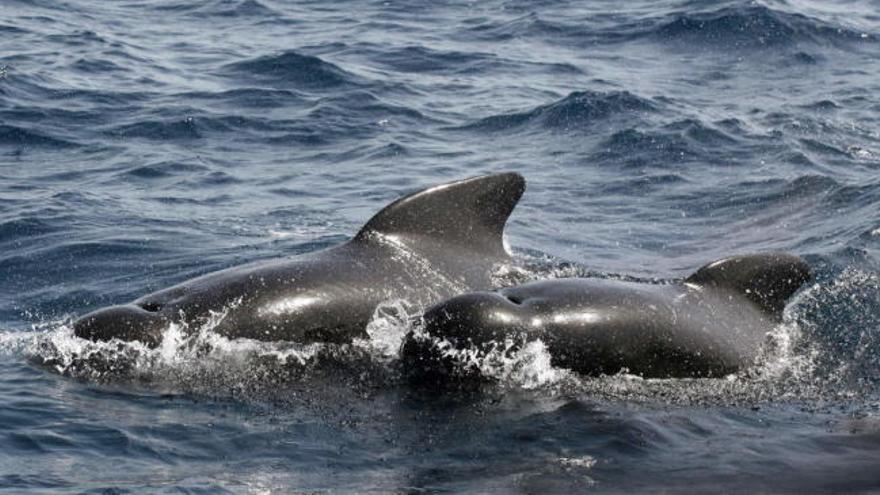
pixel 596 326
pixel 600 326
pixel 412 250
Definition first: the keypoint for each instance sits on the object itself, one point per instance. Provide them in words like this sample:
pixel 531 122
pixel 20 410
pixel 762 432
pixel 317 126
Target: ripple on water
pixel 577 111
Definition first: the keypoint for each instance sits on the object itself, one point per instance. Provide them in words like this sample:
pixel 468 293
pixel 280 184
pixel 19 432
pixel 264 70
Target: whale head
pixel 480 322
pixel 126 322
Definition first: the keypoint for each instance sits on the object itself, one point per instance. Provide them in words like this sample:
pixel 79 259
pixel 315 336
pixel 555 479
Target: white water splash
pixel 530 368
pixel 782 357
pixel 511 362
pixel 183 349
pixel 585 462
pixel 390 323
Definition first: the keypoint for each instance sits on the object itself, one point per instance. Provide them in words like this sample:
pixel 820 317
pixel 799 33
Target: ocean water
pixel 146 142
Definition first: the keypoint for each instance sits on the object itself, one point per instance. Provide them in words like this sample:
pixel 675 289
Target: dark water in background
pixel 146 142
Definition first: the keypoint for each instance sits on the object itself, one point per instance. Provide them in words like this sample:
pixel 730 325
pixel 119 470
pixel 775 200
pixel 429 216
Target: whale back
pixel 766 279
pixel 469 214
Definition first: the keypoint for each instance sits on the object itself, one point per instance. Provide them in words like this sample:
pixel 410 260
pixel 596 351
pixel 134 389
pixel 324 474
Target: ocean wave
pixel 362 106
pixel 804 58
pixel 530 24
pixel 25 227
pixel 390 150
pixel 7 29
pixel 239 8
pixel 197 125
pixel 643 184
pixel 576 111
pixel 822 148
pixel 415 58
pixel 420 59
pixel 741 25
pixel 33 91
pixel 183 129
pixel 64 252
pixel 97 66
pixel 345 116
pixel 853 197
pixel 700 132
pixel 292 70
pixel 302 136
pixel 19 137
pixel 822 106
pixel 670 144
pixel 218 8
pixel 748 27
pixel 164 169
pixel 764 195
pixel 249 97
pixel 643 148
pixel 77 38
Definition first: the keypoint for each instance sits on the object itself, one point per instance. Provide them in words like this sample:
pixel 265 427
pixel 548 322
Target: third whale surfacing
pixel 712 324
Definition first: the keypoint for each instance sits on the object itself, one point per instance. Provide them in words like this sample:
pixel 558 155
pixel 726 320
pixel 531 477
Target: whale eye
pixel 150 306
pixel 513 299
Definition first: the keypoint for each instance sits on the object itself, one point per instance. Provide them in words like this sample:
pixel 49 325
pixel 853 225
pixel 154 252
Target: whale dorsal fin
pixel 470 213
pixel 767 279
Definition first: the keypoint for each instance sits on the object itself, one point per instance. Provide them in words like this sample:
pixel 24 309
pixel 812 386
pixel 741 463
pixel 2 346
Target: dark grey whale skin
pixel 712 324
pixel 423 248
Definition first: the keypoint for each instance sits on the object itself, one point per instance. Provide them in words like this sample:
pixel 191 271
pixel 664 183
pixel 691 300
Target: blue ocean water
pixel 146 142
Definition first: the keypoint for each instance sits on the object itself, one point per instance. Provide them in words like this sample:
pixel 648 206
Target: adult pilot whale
pixel 422 248
pixel 712 324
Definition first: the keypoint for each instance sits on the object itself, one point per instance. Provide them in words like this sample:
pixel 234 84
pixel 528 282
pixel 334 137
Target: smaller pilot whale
pixel 423 248
pixel 712 324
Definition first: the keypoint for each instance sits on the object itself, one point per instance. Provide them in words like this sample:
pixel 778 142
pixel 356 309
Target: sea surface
pixel 143 143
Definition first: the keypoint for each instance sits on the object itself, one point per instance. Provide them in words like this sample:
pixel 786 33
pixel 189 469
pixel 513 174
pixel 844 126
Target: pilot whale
pixel 711 324
pixel 422 248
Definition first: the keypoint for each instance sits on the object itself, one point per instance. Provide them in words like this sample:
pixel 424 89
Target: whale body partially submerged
pixel 423 248
pixel 711 324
